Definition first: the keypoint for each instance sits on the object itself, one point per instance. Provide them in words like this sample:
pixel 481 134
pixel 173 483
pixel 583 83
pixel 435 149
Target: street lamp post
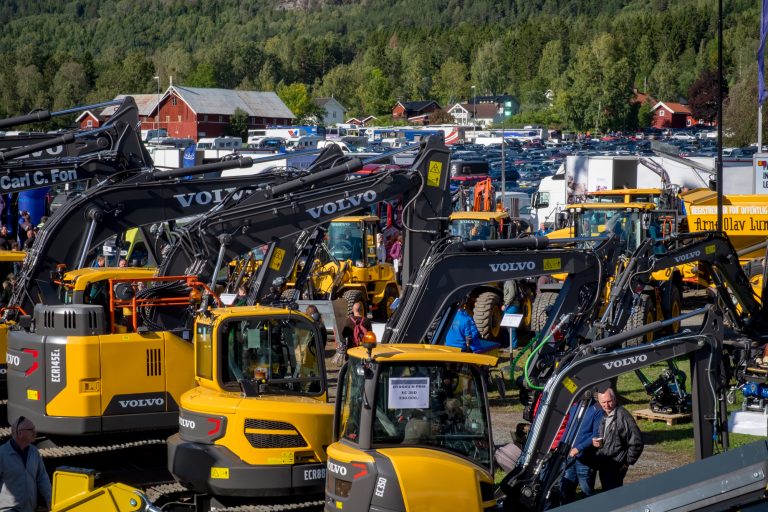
pixel 474 112
pixel 157 114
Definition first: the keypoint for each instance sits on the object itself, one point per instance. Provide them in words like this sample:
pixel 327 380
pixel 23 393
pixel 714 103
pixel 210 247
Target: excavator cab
pixel 354 272
pixel 273 443
pixel 479 225
pixel 406 414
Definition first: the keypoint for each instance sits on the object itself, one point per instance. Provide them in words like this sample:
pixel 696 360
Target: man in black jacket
pixel 620 443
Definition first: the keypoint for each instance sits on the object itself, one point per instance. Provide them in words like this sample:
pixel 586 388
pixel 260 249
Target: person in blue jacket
pixel 463 333
pixel 578 470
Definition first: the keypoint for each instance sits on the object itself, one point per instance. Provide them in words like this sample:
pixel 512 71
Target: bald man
pixel 22 471
pixel 619 444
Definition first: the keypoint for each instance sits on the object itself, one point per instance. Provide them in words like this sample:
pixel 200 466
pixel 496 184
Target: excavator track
pixel 70 451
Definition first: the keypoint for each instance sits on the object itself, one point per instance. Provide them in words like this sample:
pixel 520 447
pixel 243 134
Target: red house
pixel 671 115
pixel 196 112
pixel 90 119
pixel 416 112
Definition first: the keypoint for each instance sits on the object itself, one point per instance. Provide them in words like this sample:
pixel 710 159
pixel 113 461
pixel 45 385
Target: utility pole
pixel 474 114
pixel 157 114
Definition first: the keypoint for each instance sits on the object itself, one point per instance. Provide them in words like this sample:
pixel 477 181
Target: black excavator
pixel 718 262
pixel 40 160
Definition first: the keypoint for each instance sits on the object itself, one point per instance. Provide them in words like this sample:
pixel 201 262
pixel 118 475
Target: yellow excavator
pixel 69 355
pixel 352 271
pixel 633 223
pixel 259 420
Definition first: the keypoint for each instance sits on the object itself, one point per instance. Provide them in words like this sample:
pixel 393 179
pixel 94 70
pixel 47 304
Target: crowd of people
pixel 22 238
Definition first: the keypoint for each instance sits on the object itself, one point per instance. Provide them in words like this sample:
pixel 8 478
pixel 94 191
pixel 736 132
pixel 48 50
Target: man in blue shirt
pixel 464 334
pixel 582 449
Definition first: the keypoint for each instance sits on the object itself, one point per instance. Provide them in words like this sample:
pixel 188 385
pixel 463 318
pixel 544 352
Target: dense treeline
pixel 370 53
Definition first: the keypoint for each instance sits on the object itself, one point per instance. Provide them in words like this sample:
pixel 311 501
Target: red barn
pixel 196 112
pixel 671 115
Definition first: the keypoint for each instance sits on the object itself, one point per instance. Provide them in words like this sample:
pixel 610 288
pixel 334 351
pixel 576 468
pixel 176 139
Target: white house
pixel 334 111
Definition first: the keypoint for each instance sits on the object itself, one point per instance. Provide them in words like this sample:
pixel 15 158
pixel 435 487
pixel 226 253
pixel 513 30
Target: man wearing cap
pixel 22 471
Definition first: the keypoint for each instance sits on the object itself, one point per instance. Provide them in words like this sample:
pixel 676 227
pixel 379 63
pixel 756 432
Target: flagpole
pixel 719 170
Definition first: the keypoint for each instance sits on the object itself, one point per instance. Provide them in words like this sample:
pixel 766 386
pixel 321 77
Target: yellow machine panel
pixel 461 481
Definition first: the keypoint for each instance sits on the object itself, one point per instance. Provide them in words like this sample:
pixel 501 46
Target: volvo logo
pixel 185 423
pixel 143 402
pixel 342 204
pixel 12 359
pixel 336 468
pixel 627 361
pixel 205 197
pixel 512 266
pixel 688 256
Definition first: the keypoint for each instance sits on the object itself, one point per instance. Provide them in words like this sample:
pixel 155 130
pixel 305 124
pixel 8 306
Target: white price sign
pixel 511 320
pixel 409 393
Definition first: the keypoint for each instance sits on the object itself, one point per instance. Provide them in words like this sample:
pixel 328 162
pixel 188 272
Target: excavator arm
pixel 716 258
pixel 454 267
pixel 280 212
pixel 42 159
pixel 115 206
pixel 538 469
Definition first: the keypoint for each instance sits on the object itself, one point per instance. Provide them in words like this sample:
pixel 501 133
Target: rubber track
pixel 272 508
pixel 69 451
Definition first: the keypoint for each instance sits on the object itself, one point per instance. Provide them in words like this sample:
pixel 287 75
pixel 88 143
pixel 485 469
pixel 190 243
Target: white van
pixel 302 143
pixel 230 143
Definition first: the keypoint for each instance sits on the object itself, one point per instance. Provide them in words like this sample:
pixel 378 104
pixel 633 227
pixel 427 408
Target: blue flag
pixel 761 92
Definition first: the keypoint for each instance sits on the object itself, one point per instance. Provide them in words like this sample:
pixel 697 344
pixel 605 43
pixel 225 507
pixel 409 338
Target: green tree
pixel 740 110
pixel 597 87
pixel 450 85
pixel 70 85
pixel 296 97
pixel 664 79
pixel 487 73
pixel 375 93
pixel 238 124
pixel 202 76
pixel 552 63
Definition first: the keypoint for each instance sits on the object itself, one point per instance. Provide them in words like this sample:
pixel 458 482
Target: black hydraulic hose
pixel 39 146
pixel 45 115
pixel 204 168
pixel 34 117
pixel 353 165
pixel 653 326
pixel 529 242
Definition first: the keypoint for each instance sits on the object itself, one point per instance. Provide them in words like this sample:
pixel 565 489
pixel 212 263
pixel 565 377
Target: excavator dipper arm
pixel 454 267
pixel 528 485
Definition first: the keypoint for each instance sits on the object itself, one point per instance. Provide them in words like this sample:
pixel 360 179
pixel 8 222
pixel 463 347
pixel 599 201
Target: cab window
pixel 271 356
pixel 440 405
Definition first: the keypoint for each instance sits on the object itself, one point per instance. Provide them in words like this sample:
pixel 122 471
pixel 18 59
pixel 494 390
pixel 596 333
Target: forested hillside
pixel 370 53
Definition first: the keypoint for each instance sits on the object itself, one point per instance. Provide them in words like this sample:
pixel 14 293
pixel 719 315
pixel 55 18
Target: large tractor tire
pixel 384 309
pixel 487 315
pixel 641 316
pixel 352 296
pixel 290 294
pixel 671 305
pixel 541 305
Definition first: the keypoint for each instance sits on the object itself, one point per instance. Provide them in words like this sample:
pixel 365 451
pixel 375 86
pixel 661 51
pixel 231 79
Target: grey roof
pixel 145 102
pixel 226 101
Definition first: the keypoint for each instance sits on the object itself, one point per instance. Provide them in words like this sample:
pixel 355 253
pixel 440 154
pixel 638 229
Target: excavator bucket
pixel 73 489
pixel 333 313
